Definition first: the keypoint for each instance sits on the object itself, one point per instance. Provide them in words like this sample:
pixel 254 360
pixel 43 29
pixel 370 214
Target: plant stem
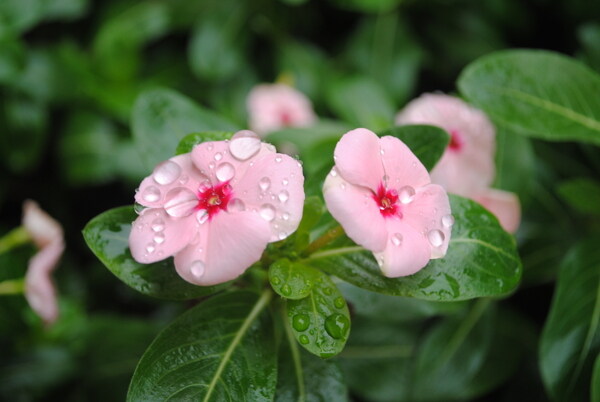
pixel 324 240
pixel 16 237
pixel 12 287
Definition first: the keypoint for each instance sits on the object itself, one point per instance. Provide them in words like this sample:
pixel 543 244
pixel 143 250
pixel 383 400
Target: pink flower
pixel 275 106
pixel 216 208
pixel 383 197
pixel 47 234
pixel 467 167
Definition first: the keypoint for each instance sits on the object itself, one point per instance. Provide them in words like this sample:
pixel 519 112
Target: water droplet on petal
pixel 197 269
pixel 447 220
pixel 151 194
pixel 159 238
pixel 180 201
pixel 339 302
pixel 278 159
pixel 244 145
pixel 138 208
pixel 406 194
pixel 285 216
pixel 337 326
pixel 267 212
pixel 158 225
pixel 343 186
pixel 436 237
pixel 300 322
pixel 218 156
pixel 211 165
pixel 382 152
pixel 202 216
pixel 236 205
pixel 225 171
pixel 166 172
pixel 283 196
pixel 150 248
pixel 333 172
pixel 303 339
pixel 397 239
pixel 285 182
pixel 282 235
pixel 264 183
pixel 183 179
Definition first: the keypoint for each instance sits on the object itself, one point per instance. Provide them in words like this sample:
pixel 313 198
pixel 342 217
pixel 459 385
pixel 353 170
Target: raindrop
pixel 225 171
pixel 328 291
pixel 166 172
pixel 278 159
pixel 339 302
pixel 380 260
pixel 343 186
pixel 382 152
pixel 267 212
pixel 209 147
pixel 244 145
pixel 282 235
pixel 286 290
pixel 447 220
pixel 275 280
pixel 264 183
pixel 300 322
pixel 159 238
pixel 397 239
pixel 406 194
pixel 211 165
pixel 303 339
pixel 180 202
pixel 197 269
pixel 150 248
pixel 151 194
pixel 285 182
pixel 236 205
pixel 285 216
pixel 218 156
pixel 283 196
pixel 333 172
pixel 202 216
pixel 436 237
pixel 158 225
pixel 337 326
pixel 138 208
pixel 183 179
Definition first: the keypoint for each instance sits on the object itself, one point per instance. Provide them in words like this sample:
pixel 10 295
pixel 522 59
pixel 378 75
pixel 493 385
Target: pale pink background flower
pixel 47 234
pixel 467 167
pixel 275 106
pixel 382 196
pixel 216 208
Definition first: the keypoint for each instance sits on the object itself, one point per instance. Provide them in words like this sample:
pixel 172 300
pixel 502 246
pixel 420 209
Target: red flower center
pixel 387 201
pixel 214 198
pixel 456 141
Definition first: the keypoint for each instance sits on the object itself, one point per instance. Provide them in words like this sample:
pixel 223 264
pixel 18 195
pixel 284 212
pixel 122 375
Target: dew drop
pixel 158 225
pixel 244 145
pixel 166 172
pixel 275 280
pixel 211 165
pixel 236 205
pixel 436 237
pixel 328 291
pixel 300 322
pixel 151 194
pixel 406 194
pixel 197 269
pixel 382 152
pixel 343 186
pixel 138 208
pixel 337 326
pixel 225 171
pixel 202 216
pixel 282 235
pixel 283 196
pixel 339 302
pixel 397 239
pixel 333 172
pixel 150 248
pixel 264 183
pixel 183 179
pixel 285 182
pixel 285 216
pixel 278 159
pixel 180 202
pixel 218 156
pixel 159 238
pixel 267 212
pixel 286 290
pixel 447 220
pixel 303 339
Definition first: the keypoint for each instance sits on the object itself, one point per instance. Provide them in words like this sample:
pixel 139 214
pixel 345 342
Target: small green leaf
pixel 481 261
pixel 570 339
pixel 162 117
pixel 515 164
pixel 107 235
pixel 188 142
pixel 596 381
pixel 581 194
pixel 428 143
pixel 536 93
pixel 320 321
pixel 292 280
pixel 222 349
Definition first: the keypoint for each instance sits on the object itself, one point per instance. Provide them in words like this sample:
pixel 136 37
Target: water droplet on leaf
pixel 337 326
pixel 300 322
pixel 286 290
pixel 303 339
pixel 339 302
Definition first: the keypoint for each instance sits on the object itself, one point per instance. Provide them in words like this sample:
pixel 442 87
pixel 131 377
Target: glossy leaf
pixel 188 142
pixel 571 337
pixel 162 117
pixel 428 143
pixel 481 261
pixel 107 235
pixel 536 93
pixel 292 280
pixel 581 194
pixel 596 381
pixel 222 349
pixel 320 322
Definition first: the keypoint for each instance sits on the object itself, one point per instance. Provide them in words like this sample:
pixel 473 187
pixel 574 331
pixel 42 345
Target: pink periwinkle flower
pixel 382 196
pixel 275 106
pixel 467 166
pixel 47 234
pixel 216 208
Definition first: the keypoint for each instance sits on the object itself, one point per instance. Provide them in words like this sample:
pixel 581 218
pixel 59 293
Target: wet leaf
pixel 188 142
pixel 292 280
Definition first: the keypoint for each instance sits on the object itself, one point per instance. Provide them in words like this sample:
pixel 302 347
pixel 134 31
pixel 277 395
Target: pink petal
pixel 155 235
pixel 356 210
pixel 178 171
pixel 401 166
pixel 429 214
pixel 273 188
pixel 504 205
pixel 225 248
pixel 358 158
pixel 42 228
pixel 406 250
pixel 39 289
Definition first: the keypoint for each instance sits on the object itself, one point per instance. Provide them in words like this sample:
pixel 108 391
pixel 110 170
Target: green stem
pixel 12 287
pixel 16 237
pixel 324 240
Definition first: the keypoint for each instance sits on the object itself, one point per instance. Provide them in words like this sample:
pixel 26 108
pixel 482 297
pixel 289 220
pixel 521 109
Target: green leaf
pixel 292 280
pixel 368 6
pixel 191 140
pixel 320 321
pixel 222 349
pixel 581 194
pixel 596 381
pixel 570 339
pixel 428 143
pixel 481 261
pixel 162 117
pixel 107 235
pixel 536 93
